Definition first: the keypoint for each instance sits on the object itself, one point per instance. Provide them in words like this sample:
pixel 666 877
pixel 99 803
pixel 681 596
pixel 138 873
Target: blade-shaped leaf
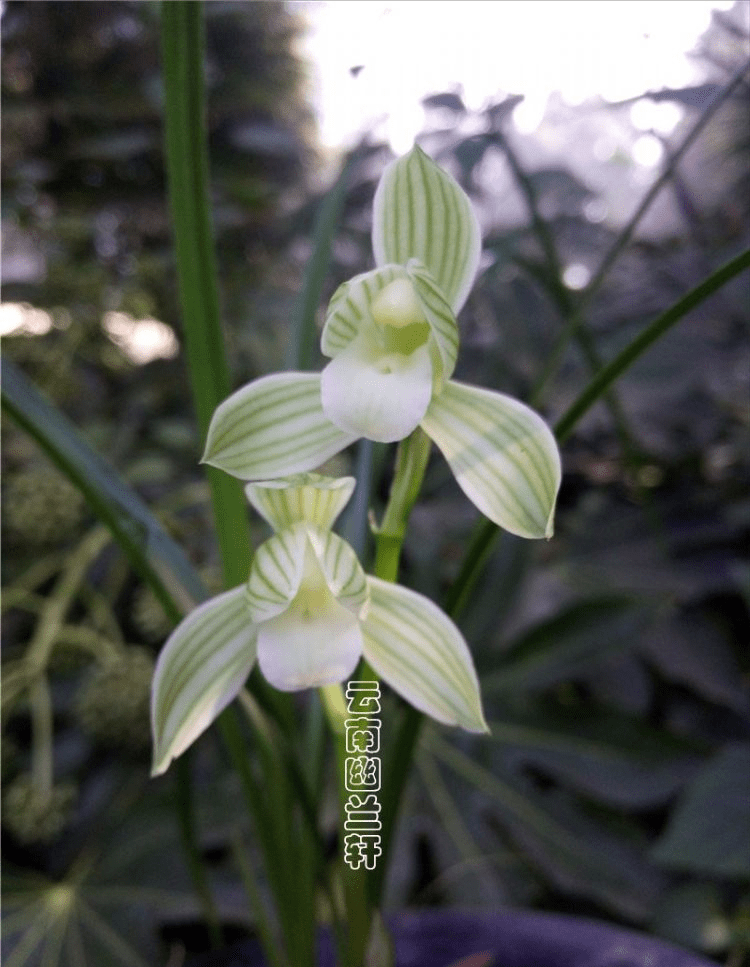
pixel 569 644
pixel 575 852
pixel 420 211
pixel 150 550
pixel 502 453
pixel 418 650
pixel 709 832
pixel 309 498
pixel 616 758
pixel 273 427
pixel 200 669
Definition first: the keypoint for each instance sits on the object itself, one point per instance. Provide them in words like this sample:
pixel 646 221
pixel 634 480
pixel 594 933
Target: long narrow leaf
pixel 150 550
pixel 187 168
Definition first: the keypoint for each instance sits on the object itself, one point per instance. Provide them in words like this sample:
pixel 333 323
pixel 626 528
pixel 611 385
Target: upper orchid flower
pixel 393 341
pixel 307 614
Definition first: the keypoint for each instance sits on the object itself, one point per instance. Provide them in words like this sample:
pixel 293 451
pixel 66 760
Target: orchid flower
pixel 306 615
pixel 392 338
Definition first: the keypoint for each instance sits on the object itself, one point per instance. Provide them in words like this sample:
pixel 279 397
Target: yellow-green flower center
pixel 398 313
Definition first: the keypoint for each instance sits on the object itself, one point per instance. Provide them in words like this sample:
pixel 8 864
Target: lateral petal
pixel 315 641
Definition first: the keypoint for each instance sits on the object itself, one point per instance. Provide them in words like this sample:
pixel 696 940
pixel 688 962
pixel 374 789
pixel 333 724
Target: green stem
pixel 411 463
pixel 42 736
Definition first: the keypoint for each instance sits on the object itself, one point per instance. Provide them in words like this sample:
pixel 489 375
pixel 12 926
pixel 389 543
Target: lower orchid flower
pixel 306 615
pixel 392 338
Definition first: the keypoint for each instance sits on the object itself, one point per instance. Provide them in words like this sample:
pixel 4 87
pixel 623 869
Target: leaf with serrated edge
pixel 273 427
pixel 420 211
pixel 421 654
pixel 201 668
pixel 503 455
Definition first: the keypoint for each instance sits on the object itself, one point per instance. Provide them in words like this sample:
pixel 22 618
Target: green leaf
pixel 503 455
pixel 309 498
pixel 420 211
pixel 577 854
pixel 417 649
pixel 568 645
pixel 709 832
pixel 615 758
pixel 150 550
pixel 273 427
pixel 201 668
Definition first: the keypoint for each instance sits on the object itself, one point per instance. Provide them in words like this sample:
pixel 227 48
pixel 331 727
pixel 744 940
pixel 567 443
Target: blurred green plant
pixel 618 710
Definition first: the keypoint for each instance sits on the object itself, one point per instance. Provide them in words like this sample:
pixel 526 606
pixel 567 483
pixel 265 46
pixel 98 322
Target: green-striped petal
pixel 417 649
pixel 503 455
pixel 341 569
pixel 440 318
pixel 420 211
pixel 273 427
pixel 202 666
pixel 307 497
pixel 349 311
pixel 276 573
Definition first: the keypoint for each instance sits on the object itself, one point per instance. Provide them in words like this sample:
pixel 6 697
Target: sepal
pixel 421 654
pixel 420 211
pixel 502 454
pixel 273 427
pixel 200 669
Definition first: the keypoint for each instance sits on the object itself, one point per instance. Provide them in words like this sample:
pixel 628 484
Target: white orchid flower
pixel 307 614
pixel 393 341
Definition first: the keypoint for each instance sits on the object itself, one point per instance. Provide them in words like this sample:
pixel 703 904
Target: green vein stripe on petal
pixel 503 455
pixel 439 316
pixel 308 497
pixel 276 573
pixel 420 211
pixel 342 571
pixel 349 308
pixel 273 427
pixel 200 669
pixel 421 654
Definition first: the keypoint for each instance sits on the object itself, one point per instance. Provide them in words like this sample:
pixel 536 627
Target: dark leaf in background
pixel 566 646
pixel 614 758
pixel 709 832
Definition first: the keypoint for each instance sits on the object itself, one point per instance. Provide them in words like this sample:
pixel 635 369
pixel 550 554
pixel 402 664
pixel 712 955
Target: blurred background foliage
pixel 613 659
